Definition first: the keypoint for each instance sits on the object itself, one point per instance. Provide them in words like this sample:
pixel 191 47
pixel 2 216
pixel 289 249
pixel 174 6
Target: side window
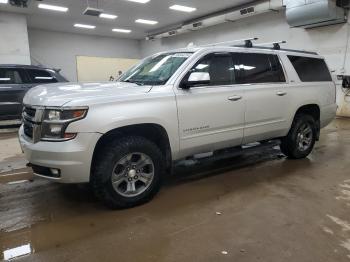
pixel 277 69
pixel 214 69
pixel 310 69
pixel 12 76
pixel 41 76
pixel 259 68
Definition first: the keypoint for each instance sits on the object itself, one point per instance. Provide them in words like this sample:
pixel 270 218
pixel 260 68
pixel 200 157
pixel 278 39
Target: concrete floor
pixel 260 207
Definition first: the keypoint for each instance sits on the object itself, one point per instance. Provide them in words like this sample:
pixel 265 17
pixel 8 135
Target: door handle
pixel 281 93
pixel 234 98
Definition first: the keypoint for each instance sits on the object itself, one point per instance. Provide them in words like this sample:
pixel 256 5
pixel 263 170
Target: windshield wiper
pixel 129 81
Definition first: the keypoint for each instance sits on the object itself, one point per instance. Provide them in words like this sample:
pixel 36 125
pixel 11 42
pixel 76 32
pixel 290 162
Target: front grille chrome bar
pixel 32 118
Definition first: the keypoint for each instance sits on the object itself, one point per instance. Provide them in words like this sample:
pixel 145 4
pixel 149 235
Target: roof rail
pixel 276 45
pixel 247 42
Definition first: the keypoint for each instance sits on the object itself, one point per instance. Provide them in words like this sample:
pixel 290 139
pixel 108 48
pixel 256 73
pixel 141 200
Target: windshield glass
pixel 155 70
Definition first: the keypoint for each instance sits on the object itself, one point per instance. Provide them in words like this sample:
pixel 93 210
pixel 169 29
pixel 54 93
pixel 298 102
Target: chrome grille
pixel 28 129
pixel 30 112
pixel 32 118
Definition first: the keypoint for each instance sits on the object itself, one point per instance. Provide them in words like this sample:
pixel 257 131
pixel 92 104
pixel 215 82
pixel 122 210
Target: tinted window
pixel 258 68
pixel 310 69
pixel 12 76
pixel 218 67
pixel 41 76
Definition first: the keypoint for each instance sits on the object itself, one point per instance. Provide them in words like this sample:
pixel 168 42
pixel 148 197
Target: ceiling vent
pixel 314 13
pixel 260 7
pixel 92 11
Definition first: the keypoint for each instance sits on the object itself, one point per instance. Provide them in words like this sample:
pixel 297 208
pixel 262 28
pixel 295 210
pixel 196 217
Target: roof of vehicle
pixel 25 66
pixel 242 47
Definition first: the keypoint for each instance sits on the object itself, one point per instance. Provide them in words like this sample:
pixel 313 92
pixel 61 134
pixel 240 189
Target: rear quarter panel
pixel 304 93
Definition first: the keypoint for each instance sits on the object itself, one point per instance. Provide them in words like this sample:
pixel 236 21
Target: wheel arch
pixel 151 131
pixel 313 110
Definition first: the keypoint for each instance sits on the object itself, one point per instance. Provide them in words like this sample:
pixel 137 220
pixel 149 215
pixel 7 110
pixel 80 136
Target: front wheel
pixel 128 172
pixel 301 137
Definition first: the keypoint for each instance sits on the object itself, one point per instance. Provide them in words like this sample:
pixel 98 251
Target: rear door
pixel 266 94
pixel 13 86
pixel 41 76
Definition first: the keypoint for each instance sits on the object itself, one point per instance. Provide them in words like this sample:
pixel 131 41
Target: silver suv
pixel 123 137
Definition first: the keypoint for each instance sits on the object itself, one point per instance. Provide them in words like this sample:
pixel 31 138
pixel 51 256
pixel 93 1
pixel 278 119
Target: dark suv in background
pixel 16 80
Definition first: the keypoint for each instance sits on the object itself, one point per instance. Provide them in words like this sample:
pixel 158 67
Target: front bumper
pixel 73 158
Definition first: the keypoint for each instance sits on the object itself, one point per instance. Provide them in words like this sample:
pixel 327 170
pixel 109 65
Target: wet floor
pixel 256 207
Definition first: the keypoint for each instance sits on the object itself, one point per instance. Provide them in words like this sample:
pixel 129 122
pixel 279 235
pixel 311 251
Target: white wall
pixel 13 29
pixel 329 41
pixel 59 50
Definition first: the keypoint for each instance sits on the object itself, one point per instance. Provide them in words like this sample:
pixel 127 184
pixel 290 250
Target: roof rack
pixel 276 45
pixel 248 42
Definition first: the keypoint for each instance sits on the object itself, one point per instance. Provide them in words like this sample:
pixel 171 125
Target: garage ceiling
pixel 126 11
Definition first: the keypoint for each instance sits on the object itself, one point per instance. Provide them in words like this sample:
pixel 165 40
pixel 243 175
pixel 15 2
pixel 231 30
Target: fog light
pixel 55 172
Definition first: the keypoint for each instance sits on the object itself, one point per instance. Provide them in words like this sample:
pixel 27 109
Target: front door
pixel 211 113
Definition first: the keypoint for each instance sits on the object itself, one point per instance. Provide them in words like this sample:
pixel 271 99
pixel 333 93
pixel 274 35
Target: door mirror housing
pixel 346 82
pixel 195 79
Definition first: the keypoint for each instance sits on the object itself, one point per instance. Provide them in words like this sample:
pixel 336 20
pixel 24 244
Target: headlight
pixel 55 123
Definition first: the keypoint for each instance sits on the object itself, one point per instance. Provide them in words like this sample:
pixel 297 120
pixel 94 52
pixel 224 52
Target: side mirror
pixel 195 79
pixel 346 82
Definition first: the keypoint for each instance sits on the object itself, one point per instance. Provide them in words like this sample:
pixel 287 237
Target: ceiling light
pixel 119 30
pixel 85 26
pixel 108 16
pixel 4 1
pixel 183 8
pixel 53 7
pixel 139 1
pixel 147 22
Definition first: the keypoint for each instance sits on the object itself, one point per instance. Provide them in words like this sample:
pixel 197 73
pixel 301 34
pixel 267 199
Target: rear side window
pixel 12 76
pixel 311 69
pixel 41 76
pixel 258 68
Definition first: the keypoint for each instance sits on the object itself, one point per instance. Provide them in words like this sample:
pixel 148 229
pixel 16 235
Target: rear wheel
pixel 301 137
pixel 128 172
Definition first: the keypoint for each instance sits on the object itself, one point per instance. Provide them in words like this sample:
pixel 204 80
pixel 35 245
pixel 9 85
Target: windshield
pixel 155 70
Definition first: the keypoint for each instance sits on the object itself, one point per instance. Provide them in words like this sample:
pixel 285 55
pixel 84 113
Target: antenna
pixel 247 42
pixel 276 45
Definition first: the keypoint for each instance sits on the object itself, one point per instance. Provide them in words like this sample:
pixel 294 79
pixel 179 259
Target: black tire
pixel 105 164
pixel 289 144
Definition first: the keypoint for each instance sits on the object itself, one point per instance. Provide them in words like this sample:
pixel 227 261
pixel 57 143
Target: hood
pixel 81 93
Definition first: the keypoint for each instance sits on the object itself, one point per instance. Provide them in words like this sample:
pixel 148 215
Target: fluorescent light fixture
pixel 119 30
pixel 108 16
pixel 4 1
pixel 183 8
pixel 85 26
pixel 147 22
pixel 53 7
pixel 139 1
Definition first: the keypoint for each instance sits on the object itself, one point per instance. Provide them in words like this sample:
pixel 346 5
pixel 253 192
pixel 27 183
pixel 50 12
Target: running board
pixel 228 153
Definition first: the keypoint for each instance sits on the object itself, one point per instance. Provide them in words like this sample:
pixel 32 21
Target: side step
pixel 228 153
